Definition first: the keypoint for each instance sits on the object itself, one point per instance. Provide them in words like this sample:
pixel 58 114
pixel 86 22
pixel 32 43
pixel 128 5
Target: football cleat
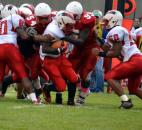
pixel 80 101
pixel 126 104
pixel 70 103
pixel 47 96
pixel 81 98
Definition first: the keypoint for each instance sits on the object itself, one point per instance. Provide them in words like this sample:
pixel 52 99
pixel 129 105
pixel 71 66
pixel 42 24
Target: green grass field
pixel 99 113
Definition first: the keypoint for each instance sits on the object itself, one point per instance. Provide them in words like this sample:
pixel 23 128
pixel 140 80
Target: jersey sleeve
pixel 17 21
pixel 88 20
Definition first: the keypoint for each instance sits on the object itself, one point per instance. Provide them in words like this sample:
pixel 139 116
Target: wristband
pixel 102 54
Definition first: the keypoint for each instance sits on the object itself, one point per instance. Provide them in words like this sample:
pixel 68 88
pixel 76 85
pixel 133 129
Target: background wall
pixel 89 5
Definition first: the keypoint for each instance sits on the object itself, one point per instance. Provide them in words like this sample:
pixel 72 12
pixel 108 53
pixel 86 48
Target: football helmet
pixel 42 10
pixel 112 18
pixel 29 6
pixel 9 10
pixel 76 8
pixel 65 21
pixel 25 12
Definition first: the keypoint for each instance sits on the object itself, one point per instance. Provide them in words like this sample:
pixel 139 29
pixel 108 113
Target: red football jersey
pixel 30 21
pixel 87 21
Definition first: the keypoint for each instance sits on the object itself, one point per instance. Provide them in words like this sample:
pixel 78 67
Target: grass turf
pixel 99 113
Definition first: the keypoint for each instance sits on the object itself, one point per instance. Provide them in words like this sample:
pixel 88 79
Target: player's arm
pixel 37 37
pixel 18 24
pixel 43 38
pixel 114 52
pixel 80 40
pixel 22 33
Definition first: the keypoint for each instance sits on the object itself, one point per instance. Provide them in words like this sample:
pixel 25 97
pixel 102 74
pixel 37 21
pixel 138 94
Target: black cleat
pixel 58 99
pixel 126 104
pixel 21 97
pixel 70 103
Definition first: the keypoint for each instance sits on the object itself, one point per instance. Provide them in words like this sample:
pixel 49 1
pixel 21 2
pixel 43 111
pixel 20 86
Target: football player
pixel 81 57
pixel 11 26
pixel 120 44
pixel 30 51
pixel 56 64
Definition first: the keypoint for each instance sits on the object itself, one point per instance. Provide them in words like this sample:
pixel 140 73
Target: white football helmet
pixel 25 12
pixel 42 10
pixel 113 18
pixel 65 21
pixel 9 10
pixel 29 6
pixel 75 7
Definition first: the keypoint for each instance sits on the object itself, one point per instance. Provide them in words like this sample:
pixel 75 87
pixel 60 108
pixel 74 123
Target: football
pixel 59 44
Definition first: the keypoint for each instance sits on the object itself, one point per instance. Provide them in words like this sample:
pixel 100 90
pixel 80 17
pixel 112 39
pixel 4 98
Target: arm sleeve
pixel 17 21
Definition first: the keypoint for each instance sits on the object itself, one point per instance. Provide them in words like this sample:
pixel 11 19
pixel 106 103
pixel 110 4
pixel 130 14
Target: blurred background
pixel 89 5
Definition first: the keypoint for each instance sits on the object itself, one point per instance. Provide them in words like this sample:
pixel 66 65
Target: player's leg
pixel 16 64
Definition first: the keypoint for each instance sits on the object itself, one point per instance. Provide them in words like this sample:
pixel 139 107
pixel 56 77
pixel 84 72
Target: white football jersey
pixel 7 29
pixel 54 30
pixel 120 34
pixel 136 33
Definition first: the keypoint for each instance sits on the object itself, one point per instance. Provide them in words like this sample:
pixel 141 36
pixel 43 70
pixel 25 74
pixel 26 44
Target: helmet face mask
pixel 65 21
pixel 77 17
pixel 105 23
pixel 68 28
pixel 113 18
